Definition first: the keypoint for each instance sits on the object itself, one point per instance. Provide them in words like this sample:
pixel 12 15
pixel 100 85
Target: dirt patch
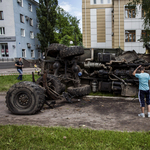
pixel 96 113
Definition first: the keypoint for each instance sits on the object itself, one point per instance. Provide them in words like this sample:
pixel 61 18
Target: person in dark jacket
pixel 19 66
pixel 143 89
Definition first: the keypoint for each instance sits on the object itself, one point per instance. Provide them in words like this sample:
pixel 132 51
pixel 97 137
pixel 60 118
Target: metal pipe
pixel 119 23
pixel 94 65
pixel 119 79
pixel 92 56
pixel 85 25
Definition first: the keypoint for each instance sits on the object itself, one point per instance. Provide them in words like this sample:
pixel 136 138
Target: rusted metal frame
pixel 45 79
pixel 119 78
pixel 65 68
pixel 49 91
pixel 52 94
pixel 67 79
pixel 33 79
pixel 51 104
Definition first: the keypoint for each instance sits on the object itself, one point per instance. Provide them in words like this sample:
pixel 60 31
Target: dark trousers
pixel 141 96
pixel 20 74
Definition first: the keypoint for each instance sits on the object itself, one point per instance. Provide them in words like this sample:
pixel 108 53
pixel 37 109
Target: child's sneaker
pixel 148 115
pixel 141 115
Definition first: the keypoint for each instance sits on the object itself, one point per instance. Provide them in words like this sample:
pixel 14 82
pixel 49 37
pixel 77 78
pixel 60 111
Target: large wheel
pixel 25 98
pixel 71 51
pixel 54 49
pixel 79 91
pixel 52 82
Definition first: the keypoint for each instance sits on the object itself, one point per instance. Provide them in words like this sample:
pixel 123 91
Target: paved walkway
pixel 13 71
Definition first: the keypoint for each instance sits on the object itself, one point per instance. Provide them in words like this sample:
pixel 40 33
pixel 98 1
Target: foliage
pixel 56 138
pixel 67 25
pixel 46 14
pixel 66 40
pixel 56 25
pixel 145 5
pixel 7 81
pixel 103 94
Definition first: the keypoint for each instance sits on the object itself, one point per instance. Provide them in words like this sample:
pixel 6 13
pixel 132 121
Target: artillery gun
pixel 74 72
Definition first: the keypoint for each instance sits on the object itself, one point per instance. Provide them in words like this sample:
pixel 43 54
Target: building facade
pixel 112 24
pixel 18 29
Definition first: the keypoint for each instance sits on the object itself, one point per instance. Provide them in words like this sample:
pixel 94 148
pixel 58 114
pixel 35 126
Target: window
pixel 32 53
pixel 129 36
pixel 39 54
pixel 20 2
pixel 21 18
pixel 23 32
pixel 23 53
pixel 31 22
pixel 2 30
pixel 130 12
pixel 4 50
pixel 31 35
pixel 101 1
pixel 1 15
pixel 94 1
pixel 30 7
pixel 108 1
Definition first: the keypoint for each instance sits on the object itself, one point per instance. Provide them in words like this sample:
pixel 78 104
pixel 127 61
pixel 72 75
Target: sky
pixel 73 7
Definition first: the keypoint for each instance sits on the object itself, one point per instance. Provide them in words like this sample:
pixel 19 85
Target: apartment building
pixel 112 24
pixel 18 29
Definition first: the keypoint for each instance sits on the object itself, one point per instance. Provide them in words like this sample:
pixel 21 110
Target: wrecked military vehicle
pixel 103 71
pixel 73 72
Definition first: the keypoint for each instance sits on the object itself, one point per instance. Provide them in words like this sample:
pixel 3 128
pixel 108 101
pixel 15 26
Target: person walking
pixel 19 66
pixel 143 89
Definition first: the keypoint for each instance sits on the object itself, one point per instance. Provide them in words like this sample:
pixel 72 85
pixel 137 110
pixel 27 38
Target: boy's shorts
pixel 141 97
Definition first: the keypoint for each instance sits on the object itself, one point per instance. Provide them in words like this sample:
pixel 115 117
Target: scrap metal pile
pixel 74 72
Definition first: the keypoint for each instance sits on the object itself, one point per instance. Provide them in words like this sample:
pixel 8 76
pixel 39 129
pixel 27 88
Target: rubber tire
pixel 54 49
pixel 79 91
pixel 63 87
pixel 55 83
pixel 33 91
pixel 71 51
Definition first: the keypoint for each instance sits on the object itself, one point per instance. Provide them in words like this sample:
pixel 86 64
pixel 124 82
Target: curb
pixel 91 97
pixel 113 98
pixel 2 93
pixel 14 74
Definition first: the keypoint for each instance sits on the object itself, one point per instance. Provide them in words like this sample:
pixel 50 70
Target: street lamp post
pixel 74 35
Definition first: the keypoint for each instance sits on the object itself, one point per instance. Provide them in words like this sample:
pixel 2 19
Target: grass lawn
pixel 7 81
pixel 102 94
pixel 57 138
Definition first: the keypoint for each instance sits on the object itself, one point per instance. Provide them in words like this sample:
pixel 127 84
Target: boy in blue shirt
pixel 143 89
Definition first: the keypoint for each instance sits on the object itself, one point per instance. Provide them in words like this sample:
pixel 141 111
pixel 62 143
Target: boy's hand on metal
pixel 138 66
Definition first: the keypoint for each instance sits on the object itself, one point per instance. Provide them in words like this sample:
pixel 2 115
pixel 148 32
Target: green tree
pixel 46 14
pixel 67 25
pixel 66 40
pixel 145 5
